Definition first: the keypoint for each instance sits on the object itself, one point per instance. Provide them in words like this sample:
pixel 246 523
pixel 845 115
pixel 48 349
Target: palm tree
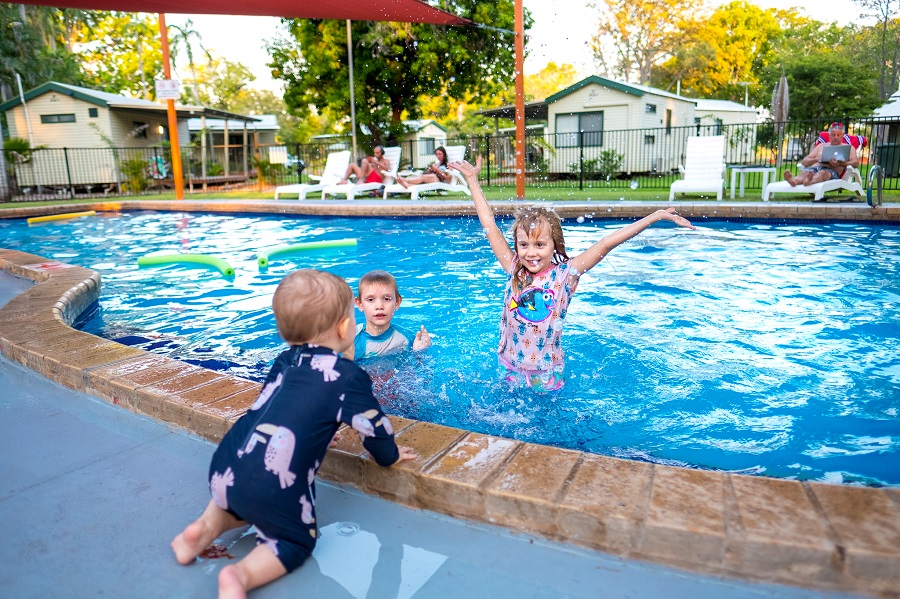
pixel 182 41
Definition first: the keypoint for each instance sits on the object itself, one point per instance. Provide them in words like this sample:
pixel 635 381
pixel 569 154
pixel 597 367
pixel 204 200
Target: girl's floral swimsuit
pixel 531 327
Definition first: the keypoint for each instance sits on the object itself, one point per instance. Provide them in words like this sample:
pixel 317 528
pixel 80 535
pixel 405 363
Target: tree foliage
pixel 395 64
pixel 817 92
pixel 884 42
pixel 35 42
pixel 121 53
pixel 722 52
pixel 634 35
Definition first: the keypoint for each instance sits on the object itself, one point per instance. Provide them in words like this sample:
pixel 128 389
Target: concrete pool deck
pixel 813 535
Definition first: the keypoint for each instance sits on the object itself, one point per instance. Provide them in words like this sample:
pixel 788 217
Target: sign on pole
pixel 167 89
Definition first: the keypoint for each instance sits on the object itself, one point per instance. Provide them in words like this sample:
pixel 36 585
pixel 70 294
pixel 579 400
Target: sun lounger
pixel 456 185
pixel 335 166
pixel 351 190
pixel 852 181
pixel 704 167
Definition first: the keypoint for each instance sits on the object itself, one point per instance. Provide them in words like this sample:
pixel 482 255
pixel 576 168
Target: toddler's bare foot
pixel 189 544
pixel 789 177
pixel 230 585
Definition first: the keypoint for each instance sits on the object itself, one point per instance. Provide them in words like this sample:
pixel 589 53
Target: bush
pixel 135 172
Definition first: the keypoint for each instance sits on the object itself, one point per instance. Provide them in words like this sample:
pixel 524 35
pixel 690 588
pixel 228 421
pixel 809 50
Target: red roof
pixel 404 11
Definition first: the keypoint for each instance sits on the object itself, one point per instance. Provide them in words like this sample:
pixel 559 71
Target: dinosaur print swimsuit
pixel 264 469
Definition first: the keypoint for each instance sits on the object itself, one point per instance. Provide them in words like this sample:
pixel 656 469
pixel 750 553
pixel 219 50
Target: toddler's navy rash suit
pixel 264 469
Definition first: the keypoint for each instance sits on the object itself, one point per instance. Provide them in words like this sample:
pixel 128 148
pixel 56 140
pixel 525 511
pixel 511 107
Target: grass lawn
pixel 494 192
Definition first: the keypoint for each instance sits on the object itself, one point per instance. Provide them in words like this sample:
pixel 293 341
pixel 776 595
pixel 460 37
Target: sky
pixel 561 33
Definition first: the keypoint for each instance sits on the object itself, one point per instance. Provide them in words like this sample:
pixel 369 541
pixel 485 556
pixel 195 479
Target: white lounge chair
pixel 704 167
pixel 852 181
pixel 456 185
pixel 351 190
pixel 335 166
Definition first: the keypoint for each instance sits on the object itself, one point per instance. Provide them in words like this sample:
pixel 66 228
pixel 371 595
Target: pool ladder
pixel 875 171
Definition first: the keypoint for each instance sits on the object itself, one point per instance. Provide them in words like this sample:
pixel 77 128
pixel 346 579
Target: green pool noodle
pixel 265 256
pixel 163 259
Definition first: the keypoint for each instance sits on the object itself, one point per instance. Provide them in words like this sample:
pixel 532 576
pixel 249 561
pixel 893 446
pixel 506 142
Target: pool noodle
pixel 263 258
pixel 49 217
pixel 162 259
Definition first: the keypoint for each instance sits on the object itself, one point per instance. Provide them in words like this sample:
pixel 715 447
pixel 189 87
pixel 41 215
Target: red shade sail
pixel 402 11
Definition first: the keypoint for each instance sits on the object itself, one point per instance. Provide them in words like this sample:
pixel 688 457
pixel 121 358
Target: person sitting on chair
pixel 816 170
pixel 369 169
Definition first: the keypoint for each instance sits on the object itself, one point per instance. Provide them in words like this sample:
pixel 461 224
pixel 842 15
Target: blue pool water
pixel 759 348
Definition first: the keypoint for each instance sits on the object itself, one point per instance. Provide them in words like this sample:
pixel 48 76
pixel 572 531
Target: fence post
pixel 581 160
pixel 68 171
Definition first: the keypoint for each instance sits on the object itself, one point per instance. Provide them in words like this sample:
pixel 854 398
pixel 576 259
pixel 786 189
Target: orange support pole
pixel 170 112
pixel 520 100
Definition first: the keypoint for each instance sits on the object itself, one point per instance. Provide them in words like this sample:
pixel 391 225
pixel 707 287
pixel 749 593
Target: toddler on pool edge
pixel 378 299
pixel 263 472
pixel 542 279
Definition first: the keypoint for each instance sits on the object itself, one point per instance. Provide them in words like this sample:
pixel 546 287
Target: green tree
pixel 723 52
pixel 886 42
pixel 183 41
pixel 549 80
pixel 395 64
pixel 817 93
pixel 34 42
pixel 633 36
pixel 122 54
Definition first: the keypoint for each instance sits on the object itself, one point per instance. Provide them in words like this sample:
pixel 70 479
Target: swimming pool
pixel 762 348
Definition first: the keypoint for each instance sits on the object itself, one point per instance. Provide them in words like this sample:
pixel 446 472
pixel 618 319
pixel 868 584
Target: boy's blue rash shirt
pixel 394 339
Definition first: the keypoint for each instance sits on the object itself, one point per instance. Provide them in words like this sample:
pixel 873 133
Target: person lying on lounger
pixel 435 173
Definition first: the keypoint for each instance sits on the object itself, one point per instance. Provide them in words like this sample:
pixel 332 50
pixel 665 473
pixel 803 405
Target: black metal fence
pixel 648 158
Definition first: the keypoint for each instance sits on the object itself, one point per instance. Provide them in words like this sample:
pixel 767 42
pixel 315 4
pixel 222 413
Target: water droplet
pixel 580 219
pixel 610 209
pixel 557 325
pixel 634 185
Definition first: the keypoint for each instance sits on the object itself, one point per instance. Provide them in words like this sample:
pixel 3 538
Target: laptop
pixel 841 152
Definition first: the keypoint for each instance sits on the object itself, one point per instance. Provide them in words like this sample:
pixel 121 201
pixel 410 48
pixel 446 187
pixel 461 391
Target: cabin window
pixel 584 126
pixel 650 108
pixel 668 121
pixel 139 130
pixel 57 118
pixel 427 145
pixel 92 112
pixel 649 140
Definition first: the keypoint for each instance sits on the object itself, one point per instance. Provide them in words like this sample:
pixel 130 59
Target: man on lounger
pixel 817 170
pixel 369 169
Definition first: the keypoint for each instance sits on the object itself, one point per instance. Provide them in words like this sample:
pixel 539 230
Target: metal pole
pixel 520 100
pixel 68 172
pixel 4 183
pixel 352 99
pixel 170 112
pixel 34 170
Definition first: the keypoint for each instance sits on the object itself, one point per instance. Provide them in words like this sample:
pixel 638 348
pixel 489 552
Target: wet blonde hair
pixel 532 219
pixel 309 302
pixel 377 277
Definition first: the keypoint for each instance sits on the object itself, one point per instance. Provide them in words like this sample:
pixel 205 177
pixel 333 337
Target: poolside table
pixel 750 168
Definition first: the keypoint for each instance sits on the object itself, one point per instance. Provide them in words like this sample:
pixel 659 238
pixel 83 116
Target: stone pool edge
pixel 808 534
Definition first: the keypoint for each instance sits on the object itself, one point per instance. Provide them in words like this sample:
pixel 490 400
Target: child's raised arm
pixel 495 237
pixel 594 254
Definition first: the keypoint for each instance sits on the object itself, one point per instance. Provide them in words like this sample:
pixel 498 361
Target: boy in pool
pixel 263 472
pixel 541 280
pixel 378 299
